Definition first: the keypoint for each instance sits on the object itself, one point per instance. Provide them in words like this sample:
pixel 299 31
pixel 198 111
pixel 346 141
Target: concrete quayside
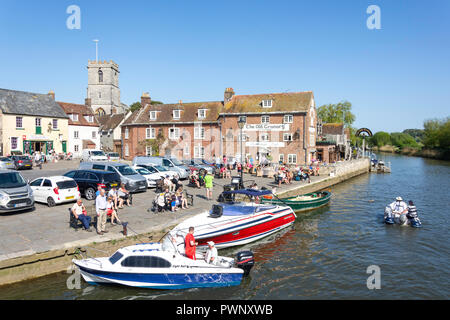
pixel 34 246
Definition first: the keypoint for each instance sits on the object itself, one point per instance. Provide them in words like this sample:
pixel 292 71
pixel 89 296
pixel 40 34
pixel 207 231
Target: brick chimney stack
pixel 145 99
pixel 51 93
pixel 229 93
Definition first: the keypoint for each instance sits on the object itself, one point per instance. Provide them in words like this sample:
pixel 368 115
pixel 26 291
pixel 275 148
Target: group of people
pixel 206 179
pixel 399 207
pixel 287 175
pixel 171 201
pixel 190 246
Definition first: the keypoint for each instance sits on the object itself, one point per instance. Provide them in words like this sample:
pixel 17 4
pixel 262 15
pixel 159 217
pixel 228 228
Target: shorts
pixel 209 189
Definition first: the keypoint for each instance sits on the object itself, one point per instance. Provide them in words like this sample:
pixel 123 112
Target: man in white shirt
pixel 211 253
pixel 79 212
pixel 100 206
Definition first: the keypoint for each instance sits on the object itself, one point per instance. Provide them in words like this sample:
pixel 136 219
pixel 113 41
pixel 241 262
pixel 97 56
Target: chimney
pixel 52 94
pixel 145 99
pixel 87 102
pixel 229 93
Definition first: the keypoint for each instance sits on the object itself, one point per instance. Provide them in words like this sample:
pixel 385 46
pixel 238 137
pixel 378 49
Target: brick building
pixel 282 125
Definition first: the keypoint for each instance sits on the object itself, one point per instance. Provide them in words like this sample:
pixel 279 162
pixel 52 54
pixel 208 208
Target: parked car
pixel 162 171
pixel 54 190
pixel 22 162
pixel 196 164
pixel 113 156
pixel 15 193
pixel 171 164
pixel 133 181
pixel 151 177
pixel 88 181
pixel 93 155
pixel 7 163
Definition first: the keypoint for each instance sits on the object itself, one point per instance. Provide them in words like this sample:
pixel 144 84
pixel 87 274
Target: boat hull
pixel 169 280
pixel 299 206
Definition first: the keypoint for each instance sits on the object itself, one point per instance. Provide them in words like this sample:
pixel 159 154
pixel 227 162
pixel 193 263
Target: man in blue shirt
pixel 100 206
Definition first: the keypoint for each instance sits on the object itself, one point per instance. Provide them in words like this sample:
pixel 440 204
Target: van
pixel 93 155
pixel 15 193
pixel 134 182
pixel 171 164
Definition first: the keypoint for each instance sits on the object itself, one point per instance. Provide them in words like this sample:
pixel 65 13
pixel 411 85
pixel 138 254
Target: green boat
pixel 309 201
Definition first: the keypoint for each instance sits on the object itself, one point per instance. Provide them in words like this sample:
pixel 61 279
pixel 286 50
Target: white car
pixel 154 173
pixel 93 155
pixel 54 190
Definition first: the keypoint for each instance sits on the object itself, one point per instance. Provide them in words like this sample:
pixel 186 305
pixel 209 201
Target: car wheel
pixel 50 202
pixel 90 193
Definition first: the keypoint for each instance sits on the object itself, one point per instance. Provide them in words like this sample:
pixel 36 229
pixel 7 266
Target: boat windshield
pixel 168 243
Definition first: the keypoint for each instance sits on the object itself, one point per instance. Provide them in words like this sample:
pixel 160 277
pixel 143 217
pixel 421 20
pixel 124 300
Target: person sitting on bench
pixel 79 212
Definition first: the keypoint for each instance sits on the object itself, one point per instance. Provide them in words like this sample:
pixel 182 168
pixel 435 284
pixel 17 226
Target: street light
pixel 241 124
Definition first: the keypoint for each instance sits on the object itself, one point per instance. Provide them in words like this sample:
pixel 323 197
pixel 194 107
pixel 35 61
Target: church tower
pixel 103 87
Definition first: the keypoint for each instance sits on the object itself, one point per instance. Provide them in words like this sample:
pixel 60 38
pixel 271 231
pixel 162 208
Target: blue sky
pixel 395 77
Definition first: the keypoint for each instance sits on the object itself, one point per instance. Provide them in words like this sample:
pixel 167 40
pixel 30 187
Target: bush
pixel 380 139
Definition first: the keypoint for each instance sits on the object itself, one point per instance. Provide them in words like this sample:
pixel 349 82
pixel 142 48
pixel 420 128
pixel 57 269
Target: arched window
pixel 100 112
pixel 100 75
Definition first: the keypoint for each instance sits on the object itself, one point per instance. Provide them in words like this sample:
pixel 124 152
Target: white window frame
pixel 242 117
pixel 312 139
pixel 38 122
pixel 148 151
pixel 199 133
pixel 153 115
pixel 288 118
pixel 127 150
pixel 199 152
pixel 17 143
pixel 265 119
pixel 76 148
pixel 202 113
pixel 264 136
pixel 150 133
pixel 281 157
pixel 287 134
pixel 176 112
pixel 76 134
pixel 244 137
pixel 54 121
pixel 267 103
pixel 74 116
pixel 186 151
pixel 174 133
pixel 127 133
pixel 94 135
pixel 291 158
pixel 21 122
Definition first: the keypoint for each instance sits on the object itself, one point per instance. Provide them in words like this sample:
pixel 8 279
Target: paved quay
pixel 44 234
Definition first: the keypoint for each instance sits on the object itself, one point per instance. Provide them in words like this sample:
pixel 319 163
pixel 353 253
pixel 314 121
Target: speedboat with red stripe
pixel 237 223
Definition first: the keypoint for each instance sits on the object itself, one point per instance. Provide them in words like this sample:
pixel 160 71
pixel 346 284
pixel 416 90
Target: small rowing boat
pixel 309 201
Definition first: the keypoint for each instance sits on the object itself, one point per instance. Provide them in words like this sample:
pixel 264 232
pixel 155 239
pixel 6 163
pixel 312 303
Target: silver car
pixel 7 163
pixel 15 193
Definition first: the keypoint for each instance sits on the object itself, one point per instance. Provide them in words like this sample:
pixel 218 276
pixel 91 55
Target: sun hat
pixel 211 243
pixel 399 199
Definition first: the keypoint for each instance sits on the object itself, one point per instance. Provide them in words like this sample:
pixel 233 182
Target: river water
pixel 325 255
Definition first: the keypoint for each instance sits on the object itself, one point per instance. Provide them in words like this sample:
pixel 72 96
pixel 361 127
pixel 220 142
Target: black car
pixel 89 180
pixel 22 162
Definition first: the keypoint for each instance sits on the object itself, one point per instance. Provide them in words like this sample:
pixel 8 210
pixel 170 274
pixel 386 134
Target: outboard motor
pixel 217 211
pixel 245 260
pixel 415 223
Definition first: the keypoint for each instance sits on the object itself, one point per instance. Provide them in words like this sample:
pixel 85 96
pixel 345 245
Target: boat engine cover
pixel 245 260
pixel 217 211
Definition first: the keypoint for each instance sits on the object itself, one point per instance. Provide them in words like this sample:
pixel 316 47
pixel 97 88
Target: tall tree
pixel 137 105
pixel 337 113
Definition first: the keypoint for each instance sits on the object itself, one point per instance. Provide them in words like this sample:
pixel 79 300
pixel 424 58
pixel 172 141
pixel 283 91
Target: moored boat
pixel 309 201
pixel 238 223
pixel 163 266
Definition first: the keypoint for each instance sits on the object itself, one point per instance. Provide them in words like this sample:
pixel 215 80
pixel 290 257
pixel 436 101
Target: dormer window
pixel 89 118
pixel 152 115
pixel 73 117
pixel 176 114
pixel 202 113
pixel 267 103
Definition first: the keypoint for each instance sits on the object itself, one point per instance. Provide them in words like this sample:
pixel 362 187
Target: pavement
pixel 45 229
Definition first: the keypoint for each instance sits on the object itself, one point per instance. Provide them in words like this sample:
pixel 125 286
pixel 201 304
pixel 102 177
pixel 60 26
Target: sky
pixel 395 77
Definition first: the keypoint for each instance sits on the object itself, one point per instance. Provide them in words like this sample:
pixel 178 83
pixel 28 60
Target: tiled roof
pixel 332 128
pixel 110 121
pixel 189 113
pixel 290 101
pixel 80 109
pixel 31 104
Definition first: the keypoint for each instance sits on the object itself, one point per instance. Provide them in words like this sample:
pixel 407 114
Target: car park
pixel 195 164
pixel 162 171
pixel 88 181
pixel 133 181
pixel 170 163
pixel 7 163
pixel 15 193
pixel 93 155
pixel 54 190
pixel 22 162
pixel 151 177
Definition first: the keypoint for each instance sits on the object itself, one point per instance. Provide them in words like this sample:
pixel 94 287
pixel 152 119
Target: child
pixel 110 211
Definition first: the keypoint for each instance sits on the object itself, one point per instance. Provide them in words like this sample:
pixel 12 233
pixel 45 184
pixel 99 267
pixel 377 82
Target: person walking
pixel 209 185
pixel 101 204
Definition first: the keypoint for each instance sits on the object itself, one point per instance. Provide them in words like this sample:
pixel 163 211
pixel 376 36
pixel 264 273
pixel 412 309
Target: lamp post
pixel 241 124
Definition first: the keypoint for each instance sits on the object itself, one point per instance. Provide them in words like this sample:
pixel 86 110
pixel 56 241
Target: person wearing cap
pixel 190 245
pixel 211 253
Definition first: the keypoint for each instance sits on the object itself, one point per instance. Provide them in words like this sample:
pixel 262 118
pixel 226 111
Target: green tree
pixel 137 105
pixel 380 139
pixel 401 140
pixel 337 113
pixel 417 134
pixel 431 133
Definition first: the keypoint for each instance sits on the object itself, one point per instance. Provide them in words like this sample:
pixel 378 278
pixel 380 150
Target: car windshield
pixel 97 153
pixel 5 159
pixel 161 168
pixel 68 184
pixel 23 158
pixel 143 171
pixel 176 162
pixel 114 155
pixel 126 170
pixel 11 180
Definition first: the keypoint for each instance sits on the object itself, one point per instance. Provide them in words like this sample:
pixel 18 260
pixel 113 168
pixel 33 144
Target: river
pixel 325 255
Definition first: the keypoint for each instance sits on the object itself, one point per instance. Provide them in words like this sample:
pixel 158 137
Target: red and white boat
pixel 238 223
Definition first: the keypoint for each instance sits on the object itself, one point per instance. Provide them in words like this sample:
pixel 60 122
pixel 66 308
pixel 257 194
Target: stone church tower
pixel 103 87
